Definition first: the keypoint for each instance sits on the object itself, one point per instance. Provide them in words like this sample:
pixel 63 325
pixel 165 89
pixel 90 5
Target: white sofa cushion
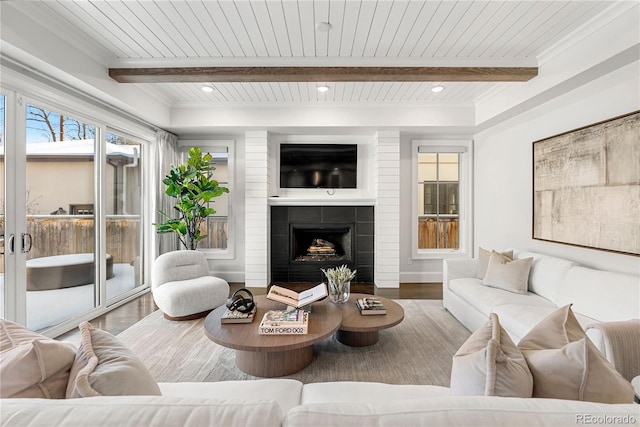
pixel 602 295
pixel 136 411
pixel 367 392
pixel 519 319
pixel 285 392
pixel 186 297
pixel 485 298
pixel 546 273
pixel 460 411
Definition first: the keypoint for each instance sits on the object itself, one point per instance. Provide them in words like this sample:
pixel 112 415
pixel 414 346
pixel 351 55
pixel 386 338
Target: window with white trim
pixel 441 198
pixel 218 227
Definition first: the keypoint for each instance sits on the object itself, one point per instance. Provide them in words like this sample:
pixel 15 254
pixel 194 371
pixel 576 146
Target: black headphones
pixel 242 303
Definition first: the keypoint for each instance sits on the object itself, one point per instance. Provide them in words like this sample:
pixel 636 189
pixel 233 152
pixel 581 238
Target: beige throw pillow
pixel 507 274
pixel 566 365
pixel 32 365
pixel 490 364
pixel 483 260
pixel 105 367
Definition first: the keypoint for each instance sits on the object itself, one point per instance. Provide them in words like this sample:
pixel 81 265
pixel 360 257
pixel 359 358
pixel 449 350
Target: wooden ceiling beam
pixel 322 74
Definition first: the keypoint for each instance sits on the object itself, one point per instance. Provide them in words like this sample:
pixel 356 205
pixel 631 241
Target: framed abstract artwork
pixel 586 186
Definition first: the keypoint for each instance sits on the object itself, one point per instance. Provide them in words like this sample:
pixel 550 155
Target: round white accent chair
pixel 182 287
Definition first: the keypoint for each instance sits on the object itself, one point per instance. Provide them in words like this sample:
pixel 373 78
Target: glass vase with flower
pixel 339 283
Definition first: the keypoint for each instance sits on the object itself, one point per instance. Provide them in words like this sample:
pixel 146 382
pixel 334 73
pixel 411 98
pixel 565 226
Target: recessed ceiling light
pixel 322 88
pixel 437 89
pixel 323 27
pixel 207 89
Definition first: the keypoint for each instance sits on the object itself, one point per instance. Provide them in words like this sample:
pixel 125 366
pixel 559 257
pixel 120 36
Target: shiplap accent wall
pixel 387 211
pixel 386 184
pixel 256 209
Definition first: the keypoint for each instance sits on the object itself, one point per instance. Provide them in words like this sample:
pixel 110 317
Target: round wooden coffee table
pixel 361 331
pixel 272 355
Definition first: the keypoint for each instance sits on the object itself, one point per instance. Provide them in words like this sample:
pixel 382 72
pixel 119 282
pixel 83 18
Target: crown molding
pixel 590 27
pixel 316 104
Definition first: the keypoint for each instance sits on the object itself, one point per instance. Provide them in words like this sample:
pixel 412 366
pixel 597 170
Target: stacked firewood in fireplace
pixel 321 247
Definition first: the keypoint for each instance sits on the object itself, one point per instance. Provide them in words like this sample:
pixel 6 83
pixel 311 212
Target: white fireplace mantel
pixel 319 201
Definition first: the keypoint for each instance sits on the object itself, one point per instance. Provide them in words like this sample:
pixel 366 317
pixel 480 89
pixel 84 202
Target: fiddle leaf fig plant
pixel 193 187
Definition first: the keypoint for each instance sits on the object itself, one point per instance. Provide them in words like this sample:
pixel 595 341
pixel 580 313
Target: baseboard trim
pixel 229 276
pixel 421 277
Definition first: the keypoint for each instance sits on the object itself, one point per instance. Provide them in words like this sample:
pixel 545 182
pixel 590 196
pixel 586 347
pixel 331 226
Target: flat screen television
pixel 318 165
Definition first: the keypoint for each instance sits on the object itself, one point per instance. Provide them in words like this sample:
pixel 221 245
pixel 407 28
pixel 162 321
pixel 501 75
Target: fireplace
pixel 320 243
pixel 305 239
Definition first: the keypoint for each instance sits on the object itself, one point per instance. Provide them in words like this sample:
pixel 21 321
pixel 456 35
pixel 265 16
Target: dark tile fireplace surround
pixel 347 232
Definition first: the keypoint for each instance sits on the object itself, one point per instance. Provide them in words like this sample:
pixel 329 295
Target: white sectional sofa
pixel 285 402
pixel 597 296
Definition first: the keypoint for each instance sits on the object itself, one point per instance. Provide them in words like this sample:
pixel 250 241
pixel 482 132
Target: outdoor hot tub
pixel 63 271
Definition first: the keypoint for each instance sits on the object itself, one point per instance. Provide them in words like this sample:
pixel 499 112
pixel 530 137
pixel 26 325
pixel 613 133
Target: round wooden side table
pixel 357 330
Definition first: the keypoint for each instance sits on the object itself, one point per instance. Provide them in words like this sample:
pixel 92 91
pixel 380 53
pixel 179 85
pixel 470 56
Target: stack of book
pixel 284 322
pixel 234 316
pixel 297 300
pixel 370 306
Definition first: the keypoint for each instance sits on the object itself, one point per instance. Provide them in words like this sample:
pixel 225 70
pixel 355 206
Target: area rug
pixel 417 351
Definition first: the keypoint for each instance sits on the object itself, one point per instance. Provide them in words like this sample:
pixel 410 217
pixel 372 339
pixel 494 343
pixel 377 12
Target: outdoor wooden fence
pixel 216 231
pixel 60 235
pixel 441 234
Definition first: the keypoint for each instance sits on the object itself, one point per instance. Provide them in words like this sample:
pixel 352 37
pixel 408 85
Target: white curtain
pixel 166 153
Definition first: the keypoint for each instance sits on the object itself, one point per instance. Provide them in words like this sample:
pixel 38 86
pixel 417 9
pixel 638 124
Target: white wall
pixel 503 166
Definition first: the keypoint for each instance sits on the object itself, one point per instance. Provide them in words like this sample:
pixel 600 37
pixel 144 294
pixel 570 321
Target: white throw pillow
pixel 105 367
pixel 566 365
pixel 490 364
pixel 32 365
pixel 483 260
pixel 507 274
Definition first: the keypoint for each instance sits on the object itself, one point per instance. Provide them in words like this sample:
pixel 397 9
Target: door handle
pixel 26 237
pixel 12 240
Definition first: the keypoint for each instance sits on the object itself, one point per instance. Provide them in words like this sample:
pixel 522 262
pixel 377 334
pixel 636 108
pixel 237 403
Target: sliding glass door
pixel 71 228
pixel 123 210
pixel 60 199
pixel 4 238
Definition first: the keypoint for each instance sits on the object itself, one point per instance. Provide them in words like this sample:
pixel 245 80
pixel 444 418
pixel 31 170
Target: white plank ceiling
pixel 282 32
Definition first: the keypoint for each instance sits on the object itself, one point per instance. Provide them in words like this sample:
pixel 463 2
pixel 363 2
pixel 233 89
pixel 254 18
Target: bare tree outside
pixel 78 130
pixel 54 127
pixel 46 122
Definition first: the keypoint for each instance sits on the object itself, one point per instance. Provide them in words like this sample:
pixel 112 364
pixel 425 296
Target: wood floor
pixel 126 315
